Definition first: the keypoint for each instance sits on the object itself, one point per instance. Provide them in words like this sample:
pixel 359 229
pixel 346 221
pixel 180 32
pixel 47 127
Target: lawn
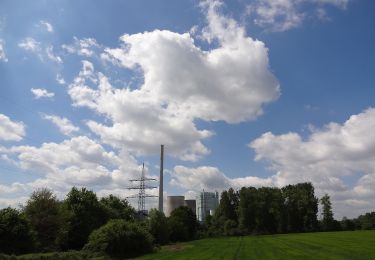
pixel 329 245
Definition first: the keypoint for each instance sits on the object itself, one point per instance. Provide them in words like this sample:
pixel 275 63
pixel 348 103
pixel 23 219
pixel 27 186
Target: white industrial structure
pixel 206 204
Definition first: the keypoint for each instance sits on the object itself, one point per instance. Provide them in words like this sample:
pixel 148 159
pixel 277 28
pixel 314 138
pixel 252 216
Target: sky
pixel 241 93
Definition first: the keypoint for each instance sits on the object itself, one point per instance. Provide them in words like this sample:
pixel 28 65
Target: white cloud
pixel 325 158
pixel 43 51
pixel 52 56
pixel 60 79
pixel 13 202
pixel 83 47
pixel 182 83
pixel 47 26
pixel 212 179
pixel 11 130
pixel 30 44
pixel 65 125
pixel 41 93
pixel 78 161
pixel 282 15
pixel 3 56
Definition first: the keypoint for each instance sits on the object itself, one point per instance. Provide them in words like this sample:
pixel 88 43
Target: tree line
pixel 111 227
pixel 271 210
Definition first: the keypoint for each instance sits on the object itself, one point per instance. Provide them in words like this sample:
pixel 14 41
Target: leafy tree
pixel 301 208
pixel 269 210
pixel 247 209
pixel 158 226
pixel 44 213
pixel 117 208
pixel 119 238
pixel 367 221
pixel 347 224
pixel 327 214
pixel 16 236
pixel 87 214
pixel 228 206
pixel 183 224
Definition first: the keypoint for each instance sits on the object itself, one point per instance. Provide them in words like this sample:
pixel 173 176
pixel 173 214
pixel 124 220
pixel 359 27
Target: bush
pixel 16 236
pixel 119 238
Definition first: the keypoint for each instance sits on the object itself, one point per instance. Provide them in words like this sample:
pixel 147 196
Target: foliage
pixel 328 222
pixel 44 214
pixel 119 238
pixel 87 214
pixel 117 208
pixel 183 224
pixel 301 208
pixel 16 236
pixel 367 221
pixel 158 226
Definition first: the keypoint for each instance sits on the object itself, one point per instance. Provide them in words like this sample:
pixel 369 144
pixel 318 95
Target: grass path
pixel 329 245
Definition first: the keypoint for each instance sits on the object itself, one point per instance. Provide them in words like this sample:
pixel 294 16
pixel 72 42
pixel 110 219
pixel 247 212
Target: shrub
pixel 119 238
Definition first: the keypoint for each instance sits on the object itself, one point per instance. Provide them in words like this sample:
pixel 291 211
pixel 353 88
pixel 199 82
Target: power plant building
pixel 206 204
pixel 173 202
pixel 191 204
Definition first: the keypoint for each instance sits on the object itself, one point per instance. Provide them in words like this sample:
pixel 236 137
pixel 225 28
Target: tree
pixel 183 224
pixel 117 208
pixel 120 239
pixel 269 210
pixel 247 209
pixel 44 213
pixel 367 221
pixel 16 236
pixel 158 226
pixel 87 214
pixel 327 215
pixel 301 208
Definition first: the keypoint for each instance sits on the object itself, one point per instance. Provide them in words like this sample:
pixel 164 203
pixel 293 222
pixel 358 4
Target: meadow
pixel 323 245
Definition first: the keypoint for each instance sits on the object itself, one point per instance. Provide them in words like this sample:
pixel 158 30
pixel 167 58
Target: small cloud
pixel 29 44
pixel 309 107
pixel 60 79
pixel 3 56
pixel 65 125
pixel 52 56
pixel 47 26
pixel 82 47
pixel 11 130
pixel 42 93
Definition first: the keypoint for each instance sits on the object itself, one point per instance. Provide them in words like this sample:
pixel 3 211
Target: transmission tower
pixel 142 191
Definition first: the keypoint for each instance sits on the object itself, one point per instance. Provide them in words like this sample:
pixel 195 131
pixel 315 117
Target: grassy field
pixel 330 245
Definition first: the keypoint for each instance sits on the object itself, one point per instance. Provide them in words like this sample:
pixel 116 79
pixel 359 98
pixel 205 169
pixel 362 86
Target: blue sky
pixel 261 93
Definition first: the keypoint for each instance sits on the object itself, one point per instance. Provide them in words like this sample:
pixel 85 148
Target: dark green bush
pixel 16 236
pixel 119 238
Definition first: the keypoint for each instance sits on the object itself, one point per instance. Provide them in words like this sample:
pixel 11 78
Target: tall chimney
pixel 161 178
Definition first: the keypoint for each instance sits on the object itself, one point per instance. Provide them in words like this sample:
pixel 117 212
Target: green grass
pixel 329 245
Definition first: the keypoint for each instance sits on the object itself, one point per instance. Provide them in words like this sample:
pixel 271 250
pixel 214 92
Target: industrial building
pixel 206 204
pixel 173 202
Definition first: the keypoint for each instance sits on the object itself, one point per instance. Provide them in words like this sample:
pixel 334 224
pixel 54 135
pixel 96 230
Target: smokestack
pixel 161 178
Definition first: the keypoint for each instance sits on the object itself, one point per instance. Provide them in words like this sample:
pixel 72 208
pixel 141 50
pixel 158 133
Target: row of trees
pixel 109 225
pixel 112 227
pixel 266 210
